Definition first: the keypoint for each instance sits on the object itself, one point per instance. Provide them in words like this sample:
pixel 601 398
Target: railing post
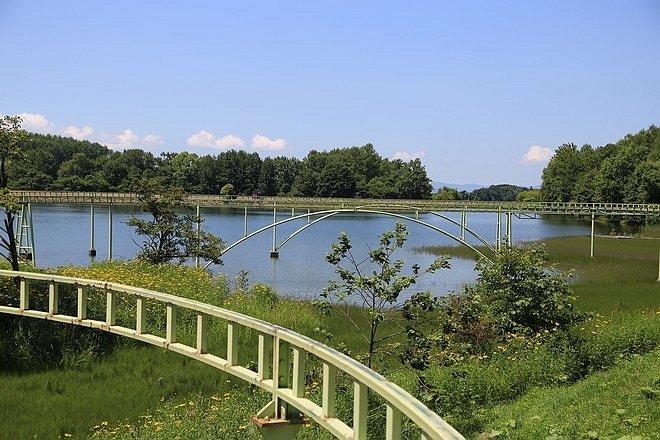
pixel 265 357
pixel 393 423
pixel 111 307
pixel 360 411
pixel 53 297
pixel 25 294
pixel 298 372
pixel 141 318
pixel 82 303
pixel 170 329
pixel 202 330
pixel 329 390
pixel 232 344
pixel 283 375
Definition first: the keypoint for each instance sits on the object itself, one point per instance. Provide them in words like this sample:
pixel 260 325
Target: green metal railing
pixel 281 355
pixel 205 200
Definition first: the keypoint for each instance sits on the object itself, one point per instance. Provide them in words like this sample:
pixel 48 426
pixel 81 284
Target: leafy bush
pixel 522 294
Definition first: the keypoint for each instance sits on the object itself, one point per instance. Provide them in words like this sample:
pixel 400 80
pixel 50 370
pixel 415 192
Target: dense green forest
pixel 57 163
pixel 502 192
pixel 625 172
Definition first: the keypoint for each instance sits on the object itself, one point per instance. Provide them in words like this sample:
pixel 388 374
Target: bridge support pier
pixel 110 232
pixel 92 249
pixel 593 228
pixel 274 253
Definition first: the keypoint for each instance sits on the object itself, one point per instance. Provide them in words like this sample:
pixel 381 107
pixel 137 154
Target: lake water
pixel 62 237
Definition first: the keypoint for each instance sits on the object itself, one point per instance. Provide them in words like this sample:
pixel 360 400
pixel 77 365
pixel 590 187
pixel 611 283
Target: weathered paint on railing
pixel 274 346
pixel 558 208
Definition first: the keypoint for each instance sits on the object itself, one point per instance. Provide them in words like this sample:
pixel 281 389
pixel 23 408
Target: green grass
pixel 622 401
pixel 555 384
pixel 621 277
pixel 124 385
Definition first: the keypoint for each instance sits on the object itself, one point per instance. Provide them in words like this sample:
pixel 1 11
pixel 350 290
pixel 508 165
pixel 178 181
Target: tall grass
pixel 491 393
pixel 122 386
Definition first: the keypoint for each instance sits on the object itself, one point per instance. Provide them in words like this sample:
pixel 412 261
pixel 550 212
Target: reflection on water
pixel 63 237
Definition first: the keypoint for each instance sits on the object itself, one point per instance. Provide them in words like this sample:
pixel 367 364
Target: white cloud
pixel 129 139
pixel 78 133
pixel 153 140
pixel 229 141
pixel 36 123
pixel 263 143
pixel 201 139
pixel 536 154
pixel 204 139
pixel 407 157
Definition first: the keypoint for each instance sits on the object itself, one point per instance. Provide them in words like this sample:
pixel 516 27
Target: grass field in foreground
pixel 612 404
pixel 149 394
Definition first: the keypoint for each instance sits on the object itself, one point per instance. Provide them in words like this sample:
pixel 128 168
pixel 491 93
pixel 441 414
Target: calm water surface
pixel 63 237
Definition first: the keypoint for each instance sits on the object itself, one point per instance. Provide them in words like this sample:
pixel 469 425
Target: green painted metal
pixel 327 214
pixel 274 375
pixel 110 231
pixel 24 234
pixel 207 200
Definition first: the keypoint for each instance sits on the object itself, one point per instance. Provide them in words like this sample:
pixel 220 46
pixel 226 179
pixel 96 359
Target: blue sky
pixel 482 92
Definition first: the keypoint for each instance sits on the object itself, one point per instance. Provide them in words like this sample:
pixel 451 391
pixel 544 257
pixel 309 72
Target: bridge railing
pixel 281 354
pixel 342 203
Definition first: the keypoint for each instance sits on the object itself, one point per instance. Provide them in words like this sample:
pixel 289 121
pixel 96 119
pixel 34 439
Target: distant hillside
pixel 466 187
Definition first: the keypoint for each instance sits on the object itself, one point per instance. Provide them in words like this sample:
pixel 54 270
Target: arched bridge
pixel 317 216
pixel 323 208
pixel 281 355
pixel 316 203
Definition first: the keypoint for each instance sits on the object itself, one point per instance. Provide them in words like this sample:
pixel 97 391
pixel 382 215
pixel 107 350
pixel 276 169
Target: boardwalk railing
pixel 561 208
pixel 278 350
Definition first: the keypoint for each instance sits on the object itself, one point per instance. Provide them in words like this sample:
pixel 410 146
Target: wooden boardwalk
pixel 318 203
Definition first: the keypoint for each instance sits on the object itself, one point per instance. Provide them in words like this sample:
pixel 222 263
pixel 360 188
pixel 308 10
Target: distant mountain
pixel 466 187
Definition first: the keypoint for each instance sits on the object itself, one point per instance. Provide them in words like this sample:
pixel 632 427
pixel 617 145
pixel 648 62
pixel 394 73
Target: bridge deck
pixel 209 200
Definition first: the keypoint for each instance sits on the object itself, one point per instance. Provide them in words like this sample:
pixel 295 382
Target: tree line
pixel 627 171
pixel 57 163
pixel 501 193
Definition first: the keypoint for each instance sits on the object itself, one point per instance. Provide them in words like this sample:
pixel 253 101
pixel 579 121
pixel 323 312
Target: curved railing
pixel 276 345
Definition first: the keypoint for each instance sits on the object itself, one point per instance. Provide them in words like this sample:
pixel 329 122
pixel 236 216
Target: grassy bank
pixel 567 383
pixel 624 401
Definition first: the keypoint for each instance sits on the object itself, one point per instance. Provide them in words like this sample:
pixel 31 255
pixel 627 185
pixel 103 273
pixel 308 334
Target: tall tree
pixel 12 137
pixel 412 182
pixel 561 174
